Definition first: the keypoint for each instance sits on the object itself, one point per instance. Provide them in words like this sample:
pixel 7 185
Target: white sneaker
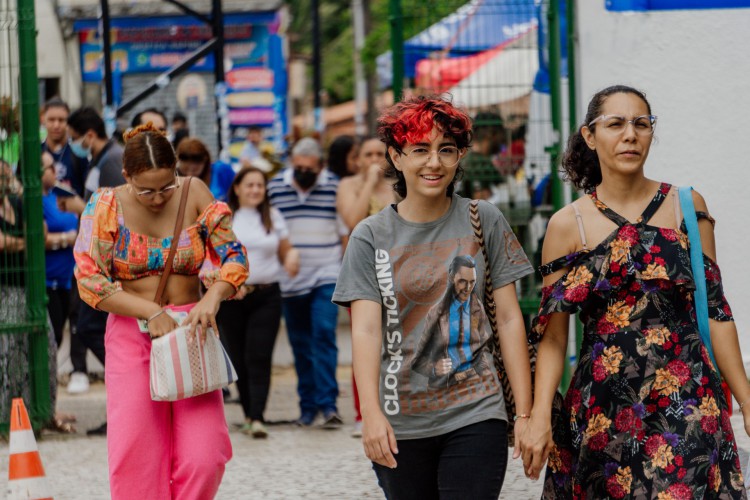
pixel 357 429
pixel 78 384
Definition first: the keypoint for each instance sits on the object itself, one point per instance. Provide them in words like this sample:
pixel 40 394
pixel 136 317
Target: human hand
pixel 203 314
pixel 535 444
pixel 443 367
pixel 379 440
pixel 161 325
pixel 240 294
pixel 374 173
pixel 746 417
pixel 520 427
pixel 291 263
pixel 73 204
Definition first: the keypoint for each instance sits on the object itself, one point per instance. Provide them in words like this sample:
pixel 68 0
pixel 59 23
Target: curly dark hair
pixel 410 120
pixel 581 164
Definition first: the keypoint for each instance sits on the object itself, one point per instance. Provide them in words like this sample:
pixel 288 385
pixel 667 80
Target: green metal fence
pixel 24 344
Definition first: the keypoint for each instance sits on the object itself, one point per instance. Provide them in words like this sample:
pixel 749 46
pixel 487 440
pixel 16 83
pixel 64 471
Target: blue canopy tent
pixel 477 26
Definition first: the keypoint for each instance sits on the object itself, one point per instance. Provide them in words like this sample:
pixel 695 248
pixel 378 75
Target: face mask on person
pixel 76 147
pixel 305 178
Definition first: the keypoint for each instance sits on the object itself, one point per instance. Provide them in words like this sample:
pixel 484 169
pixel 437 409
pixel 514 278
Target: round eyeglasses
pixel 150 194
pixel 616 124
pixel 448 156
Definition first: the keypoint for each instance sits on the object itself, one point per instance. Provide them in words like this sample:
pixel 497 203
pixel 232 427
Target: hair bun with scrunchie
pixel 146 127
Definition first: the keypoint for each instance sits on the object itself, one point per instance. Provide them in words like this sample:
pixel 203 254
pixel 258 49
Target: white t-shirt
pixel 262 247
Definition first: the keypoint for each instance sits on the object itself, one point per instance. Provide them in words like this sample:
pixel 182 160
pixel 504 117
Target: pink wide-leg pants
pixel 159 450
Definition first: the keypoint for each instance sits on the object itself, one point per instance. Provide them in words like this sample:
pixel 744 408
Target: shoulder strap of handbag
pixel 489 300
pixel 175 239
pixel 696 263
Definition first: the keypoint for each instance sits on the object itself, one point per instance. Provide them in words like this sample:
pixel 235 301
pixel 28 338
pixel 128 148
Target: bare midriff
pixel 180 289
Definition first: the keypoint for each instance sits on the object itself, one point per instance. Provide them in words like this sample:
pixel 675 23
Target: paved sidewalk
pixel 292 463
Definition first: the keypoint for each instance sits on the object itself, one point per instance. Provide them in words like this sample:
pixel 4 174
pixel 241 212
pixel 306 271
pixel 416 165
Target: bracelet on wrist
pixel 155 315
pixel 742 405
pixel 521 415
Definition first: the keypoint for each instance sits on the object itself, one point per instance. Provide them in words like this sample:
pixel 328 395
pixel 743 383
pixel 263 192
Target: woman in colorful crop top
pixel 645 414
pixel 433 414
pixel 157 449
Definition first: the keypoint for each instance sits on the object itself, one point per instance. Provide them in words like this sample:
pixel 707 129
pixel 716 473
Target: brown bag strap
pixel 489 300
pixel 175 240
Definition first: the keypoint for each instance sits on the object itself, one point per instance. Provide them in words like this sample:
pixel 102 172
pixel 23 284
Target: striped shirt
pixel 315 229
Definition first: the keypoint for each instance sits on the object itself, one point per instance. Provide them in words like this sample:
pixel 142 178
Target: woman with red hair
pixel 434 420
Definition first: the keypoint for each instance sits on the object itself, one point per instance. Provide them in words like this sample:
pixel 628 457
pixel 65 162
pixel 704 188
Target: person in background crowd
pixel 69 168
pixel 428 440
pixel 480 173
pixel 62 229
pixel 157 449
pixel 72 170
pixel 305 194
pixel 360 196
pixel 153 115
pixel 88 139
pixel 342 156
pixel 14 348
pixel 250 325
pixel 193 159
pixel 251 149
pixel 179 122
pixel 645 414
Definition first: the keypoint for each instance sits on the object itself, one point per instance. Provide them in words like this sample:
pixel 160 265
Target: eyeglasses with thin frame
pixel 150 193
pixel 448 156
pixel 616 124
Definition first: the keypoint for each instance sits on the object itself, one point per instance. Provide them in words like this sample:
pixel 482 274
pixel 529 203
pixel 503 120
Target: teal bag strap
pixel 696 263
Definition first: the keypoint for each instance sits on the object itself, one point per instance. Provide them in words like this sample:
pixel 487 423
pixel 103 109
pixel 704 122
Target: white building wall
pixel 57 57
pixel 694 66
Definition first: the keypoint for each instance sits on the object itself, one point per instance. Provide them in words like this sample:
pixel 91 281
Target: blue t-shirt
pixel 59 263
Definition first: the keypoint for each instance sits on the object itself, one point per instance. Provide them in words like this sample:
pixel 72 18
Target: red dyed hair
pixel 410 121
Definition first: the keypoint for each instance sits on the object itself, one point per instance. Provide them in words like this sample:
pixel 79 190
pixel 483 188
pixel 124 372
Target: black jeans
pixel 90 329
pixel 248 328
pixel 58 307
pixel 469 462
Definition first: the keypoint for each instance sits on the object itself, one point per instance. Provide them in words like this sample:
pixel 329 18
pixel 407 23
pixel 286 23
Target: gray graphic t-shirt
pixel 436 372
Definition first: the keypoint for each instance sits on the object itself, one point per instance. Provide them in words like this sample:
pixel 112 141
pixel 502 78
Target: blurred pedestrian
pixel 87 137
pixel 193 159
pixel 645 414
pixel 251 150
pixel 150 115
pixel 413 275
pixel 71 170
pixel 15 379
pixel 342 156
pixel 157 449
pixel 362 195
pixel 250 325
pixel 305 194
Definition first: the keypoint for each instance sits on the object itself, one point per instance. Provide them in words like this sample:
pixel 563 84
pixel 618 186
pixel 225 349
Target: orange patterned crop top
pixel 107 252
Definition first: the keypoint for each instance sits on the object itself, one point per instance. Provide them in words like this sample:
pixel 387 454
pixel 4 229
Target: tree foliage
pixel 337 35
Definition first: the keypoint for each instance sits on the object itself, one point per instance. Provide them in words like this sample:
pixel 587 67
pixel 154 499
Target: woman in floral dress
pixel 645 416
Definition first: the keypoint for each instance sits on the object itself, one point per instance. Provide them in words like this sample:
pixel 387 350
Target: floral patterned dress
pixel 645 416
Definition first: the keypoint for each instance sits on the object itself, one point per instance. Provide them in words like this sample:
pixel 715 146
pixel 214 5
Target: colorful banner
pixel 645 5
pixel 255 77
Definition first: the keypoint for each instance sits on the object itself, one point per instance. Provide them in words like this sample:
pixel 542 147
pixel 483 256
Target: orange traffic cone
pixel 26 478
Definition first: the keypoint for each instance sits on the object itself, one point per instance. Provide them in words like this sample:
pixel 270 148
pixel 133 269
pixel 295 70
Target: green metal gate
pixel 24 360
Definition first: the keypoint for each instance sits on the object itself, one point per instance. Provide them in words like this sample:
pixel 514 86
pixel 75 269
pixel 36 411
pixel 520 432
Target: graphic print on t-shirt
pixel 437 333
